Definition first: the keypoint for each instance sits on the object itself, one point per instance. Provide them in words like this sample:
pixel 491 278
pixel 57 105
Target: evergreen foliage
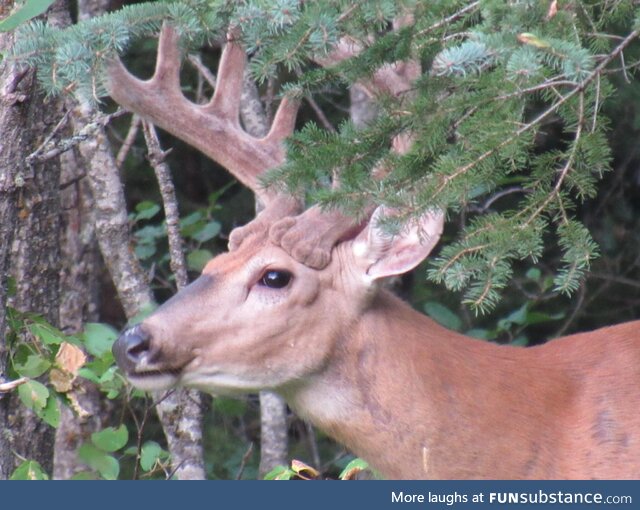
pixel 499 77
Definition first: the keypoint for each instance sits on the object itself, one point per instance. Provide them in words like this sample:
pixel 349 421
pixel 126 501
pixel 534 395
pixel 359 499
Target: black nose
pixel 130 347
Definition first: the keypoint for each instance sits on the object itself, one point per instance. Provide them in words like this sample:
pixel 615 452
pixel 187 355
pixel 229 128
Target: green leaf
pixel 31 9
pixel 12 288
pixel 84 475
pixel 442 315
pixel 29 470
pixel 145 251
pixel 280 473
pixel 209 231
pixel 98 338
pixel 480 333
pixel 534 274
pixel 190 220
pixel 102 462
pixel 146 210
pixel 89 374
pixel 51 412
pixel 351 469
pixel 110 439
pixel 34 366
pixel 520 341
pixel 149 454
pixel 150 233
pixel 197 259
pixel 34 395
pixel 47 333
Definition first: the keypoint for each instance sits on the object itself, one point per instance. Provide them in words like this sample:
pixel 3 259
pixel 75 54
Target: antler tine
pixel 167 73
pixel 284 122
pixel 214 128
pixel 226 98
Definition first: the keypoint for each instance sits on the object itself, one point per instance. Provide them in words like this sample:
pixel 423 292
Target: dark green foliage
pixel 497 76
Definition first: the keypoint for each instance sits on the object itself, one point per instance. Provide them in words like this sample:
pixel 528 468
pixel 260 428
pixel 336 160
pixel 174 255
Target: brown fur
pixel 413 398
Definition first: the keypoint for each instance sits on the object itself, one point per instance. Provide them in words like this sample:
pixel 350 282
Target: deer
pixel 297 307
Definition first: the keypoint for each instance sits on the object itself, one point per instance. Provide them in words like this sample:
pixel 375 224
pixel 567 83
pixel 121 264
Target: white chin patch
pixel 220 384
pixel 153 382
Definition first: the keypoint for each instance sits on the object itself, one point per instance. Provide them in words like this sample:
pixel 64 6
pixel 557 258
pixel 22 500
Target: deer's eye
pixel 276 279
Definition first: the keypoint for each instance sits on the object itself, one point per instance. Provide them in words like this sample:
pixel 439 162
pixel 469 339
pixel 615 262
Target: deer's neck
pixel 405 393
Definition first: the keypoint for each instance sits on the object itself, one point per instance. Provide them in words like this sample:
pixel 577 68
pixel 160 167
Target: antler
pixel 213 128
pixel 311 236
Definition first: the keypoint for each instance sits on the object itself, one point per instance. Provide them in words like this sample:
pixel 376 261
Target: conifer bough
pixel 496 76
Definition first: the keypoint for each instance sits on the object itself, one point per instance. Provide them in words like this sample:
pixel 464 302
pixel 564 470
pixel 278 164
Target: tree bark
pixel 14 89
pixel 79 292
pixel 30 226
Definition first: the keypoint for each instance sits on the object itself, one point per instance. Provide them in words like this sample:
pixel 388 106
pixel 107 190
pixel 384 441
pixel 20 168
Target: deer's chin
pixel 220 383
pixel 153 381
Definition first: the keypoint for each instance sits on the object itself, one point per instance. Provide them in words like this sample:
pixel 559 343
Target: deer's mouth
pixel 141 363
pixel 153 380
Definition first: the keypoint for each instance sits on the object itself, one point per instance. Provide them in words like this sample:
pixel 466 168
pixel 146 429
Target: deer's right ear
pixel 381 254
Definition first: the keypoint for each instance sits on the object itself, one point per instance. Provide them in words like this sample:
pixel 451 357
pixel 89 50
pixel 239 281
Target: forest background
pixel 525 132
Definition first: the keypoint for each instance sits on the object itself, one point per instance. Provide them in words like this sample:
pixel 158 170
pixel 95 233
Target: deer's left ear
pixel 381 254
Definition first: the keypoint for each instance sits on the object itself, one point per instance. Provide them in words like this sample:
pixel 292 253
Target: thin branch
pixel 128 141
pixel 204 71
pixel 465 10
pixel 243 462
pixel 565 169
pixel 5 387
pixel 577 308
pixel 172 217
pixel 496 196
pixel 326 123
pixel 50 148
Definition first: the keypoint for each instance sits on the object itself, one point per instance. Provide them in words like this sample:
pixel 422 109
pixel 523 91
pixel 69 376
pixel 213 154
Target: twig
pixel 50 149
pixel 204 71
pixel 169 200
pixel 565 169
pixel 5 387
pixel 47 141
pixel 243 462
pixel 128 141
pixel 320 114
pixel 472 6
pixel 313 443
pixel 490 201
pixel 577 308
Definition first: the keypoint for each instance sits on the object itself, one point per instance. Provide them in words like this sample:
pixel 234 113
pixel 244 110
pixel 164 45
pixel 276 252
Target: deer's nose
pixel 131 348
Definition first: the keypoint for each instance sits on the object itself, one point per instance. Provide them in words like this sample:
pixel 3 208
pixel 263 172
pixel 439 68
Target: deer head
pixel 258 319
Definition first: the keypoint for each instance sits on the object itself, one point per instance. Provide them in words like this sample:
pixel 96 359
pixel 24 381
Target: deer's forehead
pixel 252 253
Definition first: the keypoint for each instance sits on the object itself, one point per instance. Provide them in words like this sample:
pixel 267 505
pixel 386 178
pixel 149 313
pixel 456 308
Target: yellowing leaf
pixel 61 381
pixel 350 472
pixel 70 358
pixel 303 470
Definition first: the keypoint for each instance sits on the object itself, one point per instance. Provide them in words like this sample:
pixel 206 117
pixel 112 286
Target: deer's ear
pixel 381 254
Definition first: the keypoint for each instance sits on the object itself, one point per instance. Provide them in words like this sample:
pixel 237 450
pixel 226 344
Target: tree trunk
pixel 30 226
pixel 79 301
